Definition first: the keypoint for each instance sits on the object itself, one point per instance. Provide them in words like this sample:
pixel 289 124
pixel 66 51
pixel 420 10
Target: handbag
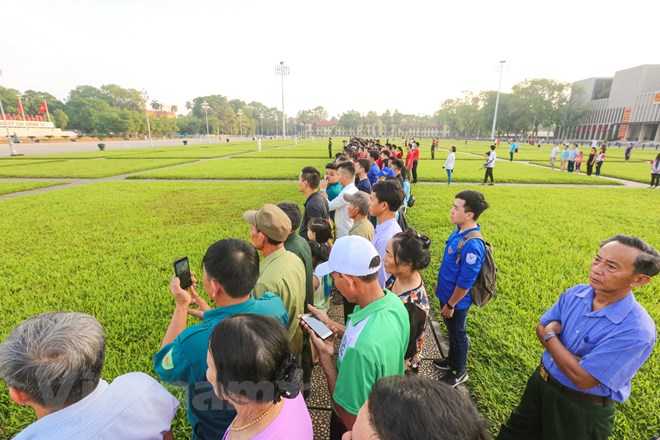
pixel 411 201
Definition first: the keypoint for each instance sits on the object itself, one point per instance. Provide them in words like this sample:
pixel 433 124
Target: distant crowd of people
pixel 247 366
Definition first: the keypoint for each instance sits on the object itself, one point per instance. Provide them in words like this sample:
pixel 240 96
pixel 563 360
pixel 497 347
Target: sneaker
pixel 442 364
pixel 454 379
pixel 490 184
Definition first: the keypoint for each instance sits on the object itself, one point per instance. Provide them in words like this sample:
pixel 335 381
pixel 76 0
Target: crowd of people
pixel 571 158
pixel 247 365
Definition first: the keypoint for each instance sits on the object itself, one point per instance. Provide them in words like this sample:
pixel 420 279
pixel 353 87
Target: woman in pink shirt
pixel 250 364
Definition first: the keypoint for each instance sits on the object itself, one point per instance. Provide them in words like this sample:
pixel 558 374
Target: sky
pixel 362 54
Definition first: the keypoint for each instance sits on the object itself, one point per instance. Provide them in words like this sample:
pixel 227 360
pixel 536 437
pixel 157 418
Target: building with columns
pixel 625 107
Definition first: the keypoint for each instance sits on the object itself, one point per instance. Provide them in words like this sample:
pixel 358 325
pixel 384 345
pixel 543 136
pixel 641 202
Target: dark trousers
pixel 337 428
pixel 598 165
pixel 432 153
pixel 510 156
pixel 590 169
pixel 458 340
pixel 546 413
pixel 330 152
pixel 489 173
pixel 571 166
pixel 655 179
pixel 414 172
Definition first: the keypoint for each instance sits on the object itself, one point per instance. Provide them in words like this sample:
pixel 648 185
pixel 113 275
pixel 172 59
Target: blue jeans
pixel 458 340
pixel 449 176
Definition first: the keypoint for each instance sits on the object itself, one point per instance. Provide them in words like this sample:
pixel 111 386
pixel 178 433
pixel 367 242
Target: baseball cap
pixel 386 172
pixel 360 199
pixel 270 220
pixel 351 255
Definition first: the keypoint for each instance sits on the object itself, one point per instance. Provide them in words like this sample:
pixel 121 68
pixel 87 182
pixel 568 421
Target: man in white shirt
pixel 52 362
pixel 449 164
pixel 386 199
pixel 553 155
pixel 489 165
pixel 343 222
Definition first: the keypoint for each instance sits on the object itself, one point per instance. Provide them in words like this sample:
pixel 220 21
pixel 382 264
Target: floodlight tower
pixel 145 97
pixel 497 100
pixel 240 120
pixel 206 107
pixel 282 70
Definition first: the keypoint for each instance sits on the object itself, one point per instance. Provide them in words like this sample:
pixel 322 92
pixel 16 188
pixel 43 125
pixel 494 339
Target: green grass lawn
pixel 107 249
pixel 18 186
pixel 19 162
pixel 633 170
pixel 237 169
pixel 77 168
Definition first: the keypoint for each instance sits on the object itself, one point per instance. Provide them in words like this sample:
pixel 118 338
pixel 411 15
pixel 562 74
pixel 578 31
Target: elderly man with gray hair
pixel 358 209
pixel 52 362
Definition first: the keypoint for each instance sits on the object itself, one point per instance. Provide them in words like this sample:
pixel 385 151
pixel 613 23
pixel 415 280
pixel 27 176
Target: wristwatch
pixel 449 306
pixel 322 190
pixel 548 336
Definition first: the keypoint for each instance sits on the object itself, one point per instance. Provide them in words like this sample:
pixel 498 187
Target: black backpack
pixel 485 287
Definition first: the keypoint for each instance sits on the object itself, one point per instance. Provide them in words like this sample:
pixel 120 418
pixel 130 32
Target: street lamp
pixel 282 70
pixel 497 101
pixel 240 120
pixel 206 107
pixel 261 117
pixel 145 97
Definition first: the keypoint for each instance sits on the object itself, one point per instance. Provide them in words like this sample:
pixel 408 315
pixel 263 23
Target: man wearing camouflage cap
pixel 280 272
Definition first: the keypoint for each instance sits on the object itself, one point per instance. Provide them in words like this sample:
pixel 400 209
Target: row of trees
pixel 532 106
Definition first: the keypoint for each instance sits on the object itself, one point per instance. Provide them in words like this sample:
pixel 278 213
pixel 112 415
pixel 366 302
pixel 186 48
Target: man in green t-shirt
pixel 375 337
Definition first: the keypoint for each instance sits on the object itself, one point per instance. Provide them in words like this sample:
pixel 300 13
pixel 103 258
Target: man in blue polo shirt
pixel 455 279
pixel 372 175
pixel 596 337
pixel 231 270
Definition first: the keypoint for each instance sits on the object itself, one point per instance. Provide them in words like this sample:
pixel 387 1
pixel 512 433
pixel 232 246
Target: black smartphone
pixel 182 271
pixel 321 330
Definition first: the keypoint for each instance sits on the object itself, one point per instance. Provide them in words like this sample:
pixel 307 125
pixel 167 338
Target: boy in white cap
pixel 375 337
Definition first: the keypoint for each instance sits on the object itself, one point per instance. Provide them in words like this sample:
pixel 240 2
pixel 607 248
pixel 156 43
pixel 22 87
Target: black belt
pixel 588 398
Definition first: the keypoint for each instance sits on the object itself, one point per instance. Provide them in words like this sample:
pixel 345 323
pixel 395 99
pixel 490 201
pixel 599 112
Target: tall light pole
pixel 282 70
pixel 206 107
pixel 240 120
pixel 261 117
pixel 497 100
pixel 145 97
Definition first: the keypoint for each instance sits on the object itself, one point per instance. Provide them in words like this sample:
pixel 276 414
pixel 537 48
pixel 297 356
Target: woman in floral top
pixel 405 255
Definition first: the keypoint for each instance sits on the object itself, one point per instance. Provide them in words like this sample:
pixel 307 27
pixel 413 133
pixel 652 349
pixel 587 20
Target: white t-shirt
pixel 490 163
pixel 449 164
pixel 554 152
pixel 133 407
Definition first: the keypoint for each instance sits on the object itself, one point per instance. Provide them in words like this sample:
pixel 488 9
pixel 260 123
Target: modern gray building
pixel 625 107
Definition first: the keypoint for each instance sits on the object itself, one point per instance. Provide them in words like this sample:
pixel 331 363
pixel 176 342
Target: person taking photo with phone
pixel 230 272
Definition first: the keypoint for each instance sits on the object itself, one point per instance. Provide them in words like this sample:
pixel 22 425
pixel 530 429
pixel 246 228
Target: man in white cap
pixel 280 272
pixel 375 337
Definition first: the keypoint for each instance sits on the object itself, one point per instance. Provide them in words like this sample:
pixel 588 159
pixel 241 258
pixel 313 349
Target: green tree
pixel 9 99
pixel 351 120
pixel 32 102
pixel 59 118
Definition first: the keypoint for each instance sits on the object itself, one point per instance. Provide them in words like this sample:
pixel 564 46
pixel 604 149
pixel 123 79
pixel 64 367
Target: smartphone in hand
pixel 321 330
pixel 182 272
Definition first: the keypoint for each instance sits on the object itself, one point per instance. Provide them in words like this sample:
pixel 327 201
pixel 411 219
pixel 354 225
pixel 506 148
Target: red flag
pixel 20 108
pixel 42 109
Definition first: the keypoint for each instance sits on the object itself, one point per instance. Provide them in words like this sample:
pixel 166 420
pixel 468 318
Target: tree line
pixel 532 106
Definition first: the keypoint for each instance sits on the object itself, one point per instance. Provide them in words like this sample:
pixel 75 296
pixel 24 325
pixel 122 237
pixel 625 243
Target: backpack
pixel 484 287
pixel 411 201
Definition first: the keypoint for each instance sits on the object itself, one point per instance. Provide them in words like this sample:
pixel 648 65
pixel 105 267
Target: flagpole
pixel 12 151
pixel 47 112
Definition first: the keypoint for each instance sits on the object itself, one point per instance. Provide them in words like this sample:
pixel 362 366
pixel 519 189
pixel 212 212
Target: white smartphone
pixel 321 330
